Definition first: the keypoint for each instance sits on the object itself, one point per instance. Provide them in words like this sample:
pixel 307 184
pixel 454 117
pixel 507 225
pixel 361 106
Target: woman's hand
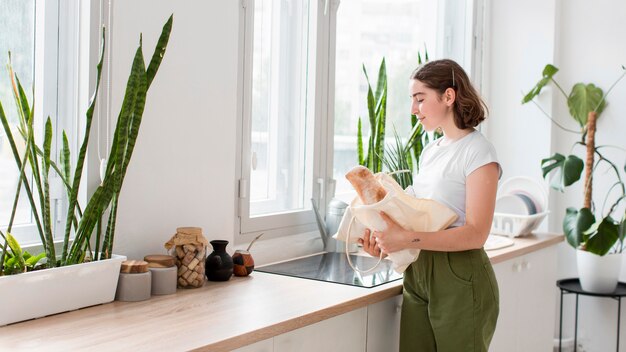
pixel 370 246
pixel 394 238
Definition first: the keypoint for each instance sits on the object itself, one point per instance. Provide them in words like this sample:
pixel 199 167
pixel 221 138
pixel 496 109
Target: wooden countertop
pixel 220 316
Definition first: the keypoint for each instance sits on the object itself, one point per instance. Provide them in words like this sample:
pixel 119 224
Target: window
pixel 41 36
pixel 279 139
pixel 302 90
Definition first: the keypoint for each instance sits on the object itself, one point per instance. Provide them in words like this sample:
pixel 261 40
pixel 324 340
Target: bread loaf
pixel 366 185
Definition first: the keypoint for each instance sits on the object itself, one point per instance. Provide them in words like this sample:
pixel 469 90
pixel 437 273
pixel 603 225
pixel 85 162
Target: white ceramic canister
pixel 164 273
pixel 135 281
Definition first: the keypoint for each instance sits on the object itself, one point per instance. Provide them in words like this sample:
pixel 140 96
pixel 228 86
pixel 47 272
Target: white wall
pixel 591 50
pixel 585 40
pixel 182 171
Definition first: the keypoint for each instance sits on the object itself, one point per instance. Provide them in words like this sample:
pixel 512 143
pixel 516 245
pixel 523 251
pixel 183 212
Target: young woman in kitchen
pixel 450 295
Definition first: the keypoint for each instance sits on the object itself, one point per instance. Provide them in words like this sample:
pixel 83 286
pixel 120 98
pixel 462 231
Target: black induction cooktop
pixel 334 267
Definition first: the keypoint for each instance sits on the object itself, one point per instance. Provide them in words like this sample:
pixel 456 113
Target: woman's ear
pixel 449 96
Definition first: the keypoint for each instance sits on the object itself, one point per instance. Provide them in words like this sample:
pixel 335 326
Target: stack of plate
pixel 521 206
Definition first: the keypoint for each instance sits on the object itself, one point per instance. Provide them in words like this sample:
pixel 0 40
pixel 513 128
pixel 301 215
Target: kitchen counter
pixel 220 316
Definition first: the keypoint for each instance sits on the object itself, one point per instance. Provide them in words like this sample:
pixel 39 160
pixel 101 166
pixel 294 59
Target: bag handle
pixel 380 257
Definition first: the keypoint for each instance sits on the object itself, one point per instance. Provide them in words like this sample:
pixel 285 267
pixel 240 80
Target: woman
pixel 450 295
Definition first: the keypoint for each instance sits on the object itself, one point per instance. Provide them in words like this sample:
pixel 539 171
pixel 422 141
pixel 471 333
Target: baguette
pixel 368 188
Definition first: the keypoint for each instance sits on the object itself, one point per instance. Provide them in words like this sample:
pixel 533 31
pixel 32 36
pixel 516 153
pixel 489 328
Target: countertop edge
pixel 303 321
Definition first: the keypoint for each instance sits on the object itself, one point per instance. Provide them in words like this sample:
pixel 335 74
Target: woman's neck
pixel 452 135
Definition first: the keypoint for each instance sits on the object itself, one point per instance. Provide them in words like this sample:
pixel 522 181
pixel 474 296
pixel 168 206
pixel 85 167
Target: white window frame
pixel 323 188
pixel 295 221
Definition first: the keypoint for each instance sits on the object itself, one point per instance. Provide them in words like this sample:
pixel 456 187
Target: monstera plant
pixel 589 228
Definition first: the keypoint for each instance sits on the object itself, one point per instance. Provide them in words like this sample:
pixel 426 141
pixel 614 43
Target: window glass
pixel 367 30
pixel 280 122
pixel 17 20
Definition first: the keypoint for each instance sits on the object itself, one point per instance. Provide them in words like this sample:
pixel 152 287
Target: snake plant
pixel 36 162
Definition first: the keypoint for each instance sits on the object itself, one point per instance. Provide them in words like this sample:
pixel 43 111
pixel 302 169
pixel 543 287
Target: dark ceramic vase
pixel 219 264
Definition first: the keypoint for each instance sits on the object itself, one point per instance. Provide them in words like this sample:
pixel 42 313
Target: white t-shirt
pixel 443 170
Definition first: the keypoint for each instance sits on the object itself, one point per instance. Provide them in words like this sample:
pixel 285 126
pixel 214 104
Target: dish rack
pixel 516 225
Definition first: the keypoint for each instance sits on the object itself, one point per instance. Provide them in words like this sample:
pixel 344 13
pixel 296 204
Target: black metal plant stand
pixel 573 286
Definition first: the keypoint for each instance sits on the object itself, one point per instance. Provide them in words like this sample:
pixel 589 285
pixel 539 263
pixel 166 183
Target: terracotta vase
pixel 244 264
pixel 219 264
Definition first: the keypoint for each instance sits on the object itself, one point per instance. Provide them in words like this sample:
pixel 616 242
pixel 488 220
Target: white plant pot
pixel 598 274
pixel 49 291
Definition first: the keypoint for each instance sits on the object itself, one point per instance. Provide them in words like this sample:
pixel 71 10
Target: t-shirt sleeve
pixel 479 154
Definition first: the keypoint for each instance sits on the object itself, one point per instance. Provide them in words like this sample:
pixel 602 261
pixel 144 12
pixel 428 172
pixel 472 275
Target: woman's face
pixel 432 110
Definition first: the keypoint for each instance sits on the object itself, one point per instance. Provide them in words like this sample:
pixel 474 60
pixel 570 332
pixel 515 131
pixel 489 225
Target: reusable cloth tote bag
pixel 411 213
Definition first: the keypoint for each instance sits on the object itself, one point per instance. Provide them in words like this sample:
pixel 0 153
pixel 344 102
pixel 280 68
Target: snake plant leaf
pixel 604 238
pixel 65 160
pixel 78 170
pixel 568 170
pixel 159 51
pixel 583 99
pixel 575 223
pixel 548 72
pixel 47 220
pixel 380 130
pixel 359 143
pixel 47 144
pixel 381 86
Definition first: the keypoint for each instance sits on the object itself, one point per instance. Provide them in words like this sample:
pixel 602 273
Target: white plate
pixel 536 190
pixel 497 242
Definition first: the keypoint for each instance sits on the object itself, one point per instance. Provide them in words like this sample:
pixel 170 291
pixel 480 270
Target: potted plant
pixel 402 157
pixel 597 233
pixel 58 287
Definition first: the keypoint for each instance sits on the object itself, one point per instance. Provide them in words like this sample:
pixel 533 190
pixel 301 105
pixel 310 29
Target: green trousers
pixel 450 303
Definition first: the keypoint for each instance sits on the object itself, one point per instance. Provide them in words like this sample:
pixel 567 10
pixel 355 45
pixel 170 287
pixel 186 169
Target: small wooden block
pixel 159 261
pixel 134 266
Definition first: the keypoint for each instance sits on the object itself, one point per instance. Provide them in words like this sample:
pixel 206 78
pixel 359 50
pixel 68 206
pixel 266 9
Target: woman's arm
pixel 481 187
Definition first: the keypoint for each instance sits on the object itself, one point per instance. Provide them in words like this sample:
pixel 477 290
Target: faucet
pixel 329 226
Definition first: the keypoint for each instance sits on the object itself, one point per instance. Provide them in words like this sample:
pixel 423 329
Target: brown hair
pixel 469 109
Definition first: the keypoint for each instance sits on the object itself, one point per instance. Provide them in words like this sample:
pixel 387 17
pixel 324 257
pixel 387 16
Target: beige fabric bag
pixel 409 212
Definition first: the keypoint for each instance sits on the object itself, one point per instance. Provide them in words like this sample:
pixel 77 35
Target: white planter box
pixel 50 291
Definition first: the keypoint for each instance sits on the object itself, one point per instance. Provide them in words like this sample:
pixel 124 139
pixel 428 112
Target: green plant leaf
pixel 159 51
pixel 32 261
pixel 569 170
pixel 14 246
pixel 547 74
pixel 622 231
pixel 575 223
pixel 582 100
pixel 78 170
pixel 359 143
pixel 65 160
pixel 604 237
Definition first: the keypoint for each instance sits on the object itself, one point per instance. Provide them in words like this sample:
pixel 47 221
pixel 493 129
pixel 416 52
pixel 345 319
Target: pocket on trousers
pixel 491 276
pixel 459 266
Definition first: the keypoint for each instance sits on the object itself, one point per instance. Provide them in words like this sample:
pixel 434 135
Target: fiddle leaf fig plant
pixel 588 228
